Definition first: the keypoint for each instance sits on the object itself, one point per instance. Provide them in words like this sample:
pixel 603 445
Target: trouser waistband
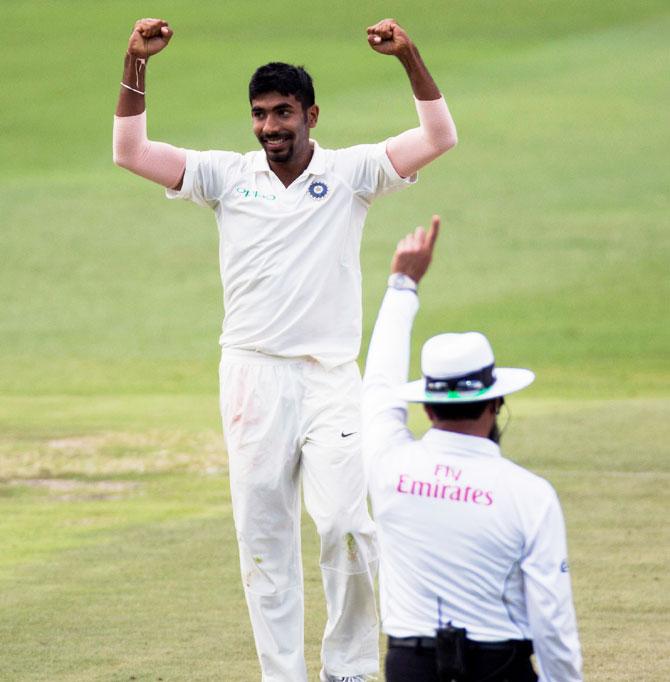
pixel 522 646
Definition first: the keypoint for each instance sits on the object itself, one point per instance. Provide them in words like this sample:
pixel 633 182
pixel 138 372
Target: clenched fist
pixel 387 37
pixel 149 37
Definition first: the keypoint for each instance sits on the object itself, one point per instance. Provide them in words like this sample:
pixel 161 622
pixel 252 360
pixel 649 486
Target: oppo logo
pixel 255 194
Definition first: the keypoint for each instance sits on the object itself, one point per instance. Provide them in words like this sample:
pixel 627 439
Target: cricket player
pixel 473 559
pixel 290 218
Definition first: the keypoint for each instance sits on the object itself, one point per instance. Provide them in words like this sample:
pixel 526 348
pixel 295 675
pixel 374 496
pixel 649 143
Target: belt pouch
pixel 450 652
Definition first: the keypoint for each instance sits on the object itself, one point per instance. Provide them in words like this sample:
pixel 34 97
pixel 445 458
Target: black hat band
pixel 474 381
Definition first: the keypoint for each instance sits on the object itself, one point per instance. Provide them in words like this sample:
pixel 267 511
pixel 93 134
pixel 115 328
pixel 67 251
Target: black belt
pixel 412 642
pixel 523 646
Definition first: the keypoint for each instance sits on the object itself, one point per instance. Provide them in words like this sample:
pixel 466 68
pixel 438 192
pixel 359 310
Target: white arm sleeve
pixel 551 614
pixel 387 366
pixel 155 161
pixel 413 149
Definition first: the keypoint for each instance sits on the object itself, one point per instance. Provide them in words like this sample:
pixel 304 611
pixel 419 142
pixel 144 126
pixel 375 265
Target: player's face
pixel 282 126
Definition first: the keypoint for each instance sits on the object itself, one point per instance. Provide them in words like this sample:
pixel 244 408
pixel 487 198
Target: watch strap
pixel 399 280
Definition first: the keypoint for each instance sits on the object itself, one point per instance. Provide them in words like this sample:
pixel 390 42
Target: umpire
pixel 473 565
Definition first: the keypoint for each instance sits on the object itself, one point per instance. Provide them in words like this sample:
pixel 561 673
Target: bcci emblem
pixel 318 189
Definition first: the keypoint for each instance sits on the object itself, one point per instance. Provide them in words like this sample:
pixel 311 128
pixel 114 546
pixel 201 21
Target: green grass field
pixel 117 552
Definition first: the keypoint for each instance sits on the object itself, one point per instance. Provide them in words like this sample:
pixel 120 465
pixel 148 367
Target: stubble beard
pixel 276 156
pixel 280 157
pixel 495 433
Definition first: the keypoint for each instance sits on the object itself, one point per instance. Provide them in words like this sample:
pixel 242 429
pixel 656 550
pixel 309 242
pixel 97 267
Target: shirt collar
pixel 461 443
pixel 317 164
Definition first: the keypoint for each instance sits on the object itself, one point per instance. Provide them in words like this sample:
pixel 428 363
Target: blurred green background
pixel 117 554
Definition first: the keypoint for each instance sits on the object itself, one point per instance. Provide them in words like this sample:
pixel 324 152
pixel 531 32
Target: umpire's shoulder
pixel 527 485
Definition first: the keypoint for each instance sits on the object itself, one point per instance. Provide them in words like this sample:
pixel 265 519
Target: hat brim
pixel 508 380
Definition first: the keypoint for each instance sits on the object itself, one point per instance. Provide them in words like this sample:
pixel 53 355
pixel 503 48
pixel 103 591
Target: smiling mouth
pixel 275 142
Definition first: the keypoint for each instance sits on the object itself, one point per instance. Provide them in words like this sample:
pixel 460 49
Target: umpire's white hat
pixel 460 368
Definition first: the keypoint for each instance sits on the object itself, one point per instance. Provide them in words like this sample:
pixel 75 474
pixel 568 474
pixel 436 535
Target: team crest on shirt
pixel 318 189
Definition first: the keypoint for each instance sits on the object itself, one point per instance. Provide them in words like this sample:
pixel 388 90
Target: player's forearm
pixel 131 91
pixel 423 85
pixel 436 133
pixel 132 149
pixel 384 414
pixel 388 355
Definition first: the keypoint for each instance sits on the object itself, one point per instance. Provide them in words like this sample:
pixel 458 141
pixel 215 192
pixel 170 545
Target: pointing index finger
pixel 433 231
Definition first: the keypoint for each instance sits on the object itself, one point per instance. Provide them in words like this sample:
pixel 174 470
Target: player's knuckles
pixel 383 25
pixel 152 26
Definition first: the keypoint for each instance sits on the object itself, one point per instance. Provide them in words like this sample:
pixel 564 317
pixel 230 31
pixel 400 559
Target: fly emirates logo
pixel 446 485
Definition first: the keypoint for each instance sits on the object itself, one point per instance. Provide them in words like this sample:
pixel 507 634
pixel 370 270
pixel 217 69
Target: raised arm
pixel 387 366
pixel 155 161
pixel 436 133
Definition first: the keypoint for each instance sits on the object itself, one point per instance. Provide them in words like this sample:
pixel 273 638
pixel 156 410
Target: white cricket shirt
pixel 289 256
pixel 465 535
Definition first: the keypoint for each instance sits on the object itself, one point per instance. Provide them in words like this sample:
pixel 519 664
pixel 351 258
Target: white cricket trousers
pixel 287 421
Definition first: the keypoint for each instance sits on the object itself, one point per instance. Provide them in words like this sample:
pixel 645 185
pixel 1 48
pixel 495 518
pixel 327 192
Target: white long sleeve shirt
pixel 465 535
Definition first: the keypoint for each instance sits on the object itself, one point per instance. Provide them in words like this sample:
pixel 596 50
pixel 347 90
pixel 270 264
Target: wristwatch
pixel 398 280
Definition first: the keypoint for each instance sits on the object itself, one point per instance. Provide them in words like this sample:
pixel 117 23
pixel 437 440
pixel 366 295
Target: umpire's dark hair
pixel 459 411
pixel 285 79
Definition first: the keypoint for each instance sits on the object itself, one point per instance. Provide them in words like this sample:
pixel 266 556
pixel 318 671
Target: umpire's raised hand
pixel 415 251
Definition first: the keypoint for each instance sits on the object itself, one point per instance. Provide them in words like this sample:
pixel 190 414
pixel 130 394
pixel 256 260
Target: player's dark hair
pixel 285 79
pixel 459 411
